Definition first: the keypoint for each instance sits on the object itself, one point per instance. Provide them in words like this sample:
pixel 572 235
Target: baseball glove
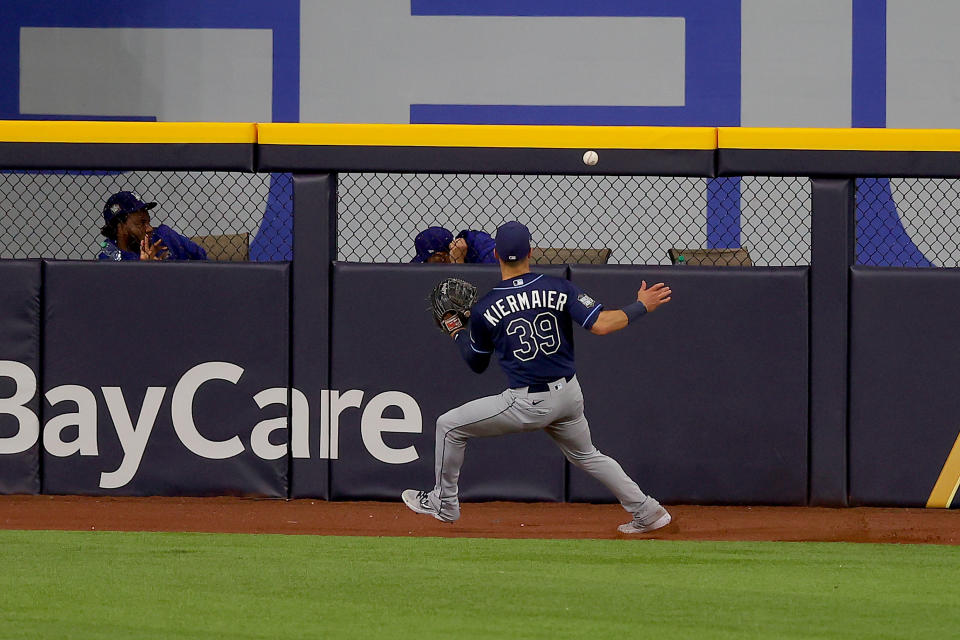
pixel 450 302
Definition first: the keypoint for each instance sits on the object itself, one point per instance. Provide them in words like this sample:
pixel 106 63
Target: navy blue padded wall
pixel 384 339
pixel 314 245
pixel 133 326
pixel 904 371
pixel 705 400
pixel 20 351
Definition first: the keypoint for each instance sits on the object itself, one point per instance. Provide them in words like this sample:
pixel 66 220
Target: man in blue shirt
pixel 129 235
pixel 437 244
pixel 527 320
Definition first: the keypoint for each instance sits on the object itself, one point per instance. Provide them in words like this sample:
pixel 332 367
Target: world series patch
pixel 586 300
pixel 453 323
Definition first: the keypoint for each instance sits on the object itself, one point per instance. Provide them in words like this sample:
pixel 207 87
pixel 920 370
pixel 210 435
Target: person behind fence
pixel 437 244
pixel 128 234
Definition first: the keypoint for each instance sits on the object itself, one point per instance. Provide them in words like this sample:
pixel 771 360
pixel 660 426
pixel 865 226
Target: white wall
pixel 216 75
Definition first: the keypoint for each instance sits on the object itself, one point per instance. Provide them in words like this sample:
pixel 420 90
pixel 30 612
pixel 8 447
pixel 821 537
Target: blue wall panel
pixel 705 400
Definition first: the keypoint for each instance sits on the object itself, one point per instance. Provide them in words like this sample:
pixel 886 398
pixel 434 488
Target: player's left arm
pixel 648 300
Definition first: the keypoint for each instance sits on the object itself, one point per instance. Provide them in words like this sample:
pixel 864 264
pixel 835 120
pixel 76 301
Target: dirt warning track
pixel 484 520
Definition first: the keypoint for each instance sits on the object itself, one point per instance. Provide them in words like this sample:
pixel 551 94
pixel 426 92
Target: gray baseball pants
pixel 558 411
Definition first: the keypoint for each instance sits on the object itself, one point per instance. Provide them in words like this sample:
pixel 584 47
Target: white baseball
pixel 591 158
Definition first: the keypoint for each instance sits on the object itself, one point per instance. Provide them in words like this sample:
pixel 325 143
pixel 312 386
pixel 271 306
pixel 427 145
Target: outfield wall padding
pixel 119 156
pixel 834 163
pixel 827 418
pixel 705 400
pixel 663 162
pixel 135 326
pixel 496 149
pixel 904 367
pixel 20 353
pixel 314 243
pixel 838 153
pixel 385 339
pixel 112 146
pixel 832 246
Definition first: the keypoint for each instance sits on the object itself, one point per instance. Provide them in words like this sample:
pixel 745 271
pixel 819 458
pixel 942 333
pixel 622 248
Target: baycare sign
pixel 134 431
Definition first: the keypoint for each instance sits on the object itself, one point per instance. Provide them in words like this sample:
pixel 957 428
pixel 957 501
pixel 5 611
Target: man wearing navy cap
pixel 437 244
pixel 128 234
pixel 527 320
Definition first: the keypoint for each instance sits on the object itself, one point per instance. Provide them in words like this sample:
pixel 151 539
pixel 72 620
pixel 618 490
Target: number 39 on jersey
pixel 542 335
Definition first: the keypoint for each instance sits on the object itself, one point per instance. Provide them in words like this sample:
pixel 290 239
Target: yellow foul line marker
pixel 948 482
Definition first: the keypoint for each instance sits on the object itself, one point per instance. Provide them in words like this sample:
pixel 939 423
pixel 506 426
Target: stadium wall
pixel 165 380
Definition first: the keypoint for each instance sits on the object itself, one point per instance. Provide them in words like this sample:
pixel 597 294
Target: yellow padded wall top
pixel 839 139
pixel 489 136
pixel 127 132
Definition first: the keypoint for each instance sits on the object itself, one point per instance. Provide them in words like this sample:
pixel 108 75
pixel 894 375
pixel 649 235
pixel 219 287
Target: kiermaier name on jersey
pixel 523 301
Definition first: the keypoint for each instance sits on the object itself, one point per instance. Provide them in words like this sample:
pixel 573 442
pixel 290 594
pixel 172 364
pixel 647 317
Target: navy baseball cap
pixel 431 240
pixel 124 202
pixel 513 241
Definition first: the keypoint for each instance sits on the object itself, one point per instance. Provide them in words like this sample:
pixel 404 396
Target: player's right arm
pixel 475 346
pixel 610 320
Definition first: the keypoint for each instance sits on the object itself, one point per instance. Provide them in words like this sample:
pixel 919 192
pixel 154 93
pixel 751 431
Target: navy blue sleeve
pixel 583 309
pixel 195 251
pixel 480 246
pixel 475 347
pixel 179 246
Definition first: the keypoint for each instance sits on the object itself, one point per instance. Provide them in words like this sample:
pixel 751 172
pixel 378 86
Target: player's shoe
pixel 650 522
pixel 419 501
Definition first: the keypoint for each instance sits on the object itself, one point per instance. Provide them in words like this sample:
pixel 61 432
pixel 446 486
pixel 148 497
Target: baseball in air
pixel 590 158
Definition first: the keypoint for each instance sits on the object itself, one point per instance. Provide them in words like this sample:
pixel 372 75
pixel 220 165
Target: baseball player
pixel 527 320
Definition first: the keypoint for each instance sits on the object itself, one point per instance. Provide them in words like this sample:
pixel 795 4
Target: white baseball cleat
pixel 419 501
pixel 656 520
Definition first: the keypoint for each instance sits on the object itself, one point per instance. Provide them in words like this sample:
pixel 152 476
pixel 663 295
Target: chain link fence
pixel 234 216
pixel 908 222
pixel 614 219
pixel 244 216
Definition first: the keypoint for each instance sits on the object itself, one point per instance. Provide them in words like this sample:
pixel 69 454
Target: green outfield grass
pixel 171 585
